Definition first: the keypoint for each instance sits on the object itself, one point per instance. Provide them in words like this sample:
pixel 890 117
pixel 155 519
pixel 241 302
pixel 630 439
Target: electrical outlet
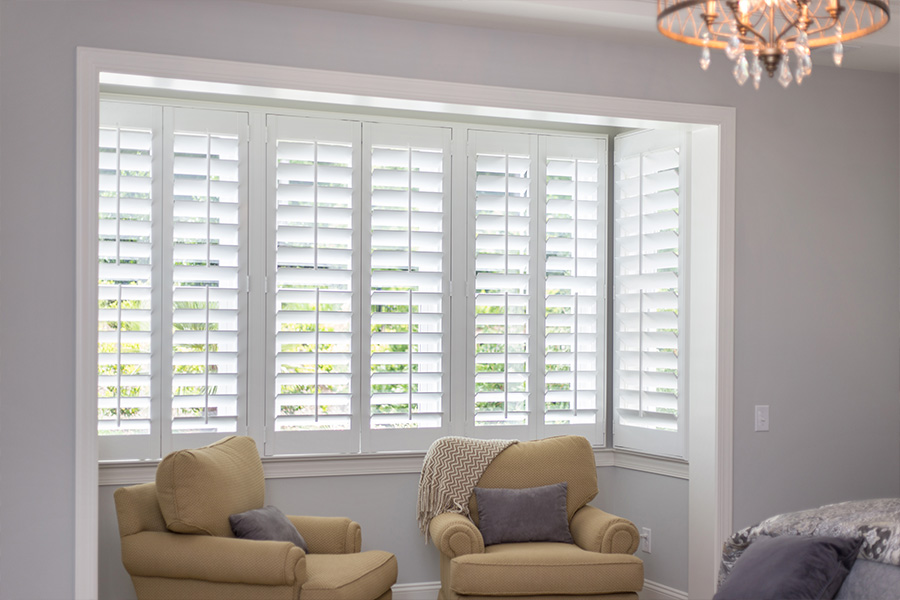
pixel 645 540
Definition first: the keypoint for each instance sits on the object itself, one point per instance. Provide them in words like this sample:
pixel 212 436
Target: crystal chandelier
pixel 769 31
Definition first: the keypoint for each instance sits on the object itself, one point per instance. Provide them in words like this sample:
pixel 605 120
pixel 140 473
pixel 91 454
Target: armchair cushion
pixel 267 523
pixel 544 568
pixel 535 514
pixel 199 489
pixel 350 576
pixel 568 458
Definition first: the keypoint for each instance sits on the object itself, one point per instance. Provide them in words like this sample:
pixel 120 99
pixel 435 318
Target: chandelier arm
pixel 823 28
pixel 790 25
pixel 747 26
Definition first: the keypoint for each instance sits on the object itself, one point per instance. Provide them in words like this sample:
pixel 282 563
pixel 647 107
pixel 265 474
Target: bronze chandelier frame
pixel 770 28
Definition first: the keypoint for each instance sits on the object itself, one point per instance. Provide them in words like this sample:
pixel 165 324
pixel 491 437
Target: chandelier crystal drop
pixel 755 70
pixel 768 30
pixel 704 55
pixel 742 69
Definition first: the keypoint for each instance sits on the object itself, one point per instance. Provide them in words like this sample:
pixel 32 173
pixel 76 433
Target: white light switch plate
pixel 762 417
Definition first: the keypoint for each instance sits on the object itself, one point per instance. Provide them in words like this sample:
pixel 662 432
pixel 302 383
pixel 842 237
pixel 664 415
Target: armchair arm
pixel 210 558
pixel 455 535
pixel 329 535
pixel 600 531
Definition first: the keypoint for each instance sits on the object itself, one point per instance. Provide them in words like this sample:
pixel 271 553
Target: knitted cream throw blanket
pixel 453 465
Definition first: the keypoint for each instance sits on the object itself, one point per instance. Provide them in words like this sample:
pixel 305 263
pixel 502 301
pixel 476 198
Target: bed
pixel 874 571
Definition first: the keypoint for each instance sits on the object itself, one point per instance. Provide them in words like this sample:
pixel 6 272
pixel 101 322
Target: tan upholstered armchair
pixel 177 540
pixel 599 565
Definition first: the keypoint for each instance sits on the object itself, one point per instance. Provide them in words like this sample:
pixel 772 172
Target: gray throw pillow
pixel 791 566
pixel 267 523
pixel 529 515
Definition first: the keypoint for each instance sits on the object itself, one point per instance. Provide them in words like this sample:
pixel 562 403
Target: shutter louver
pixel 503 202
pixel 409 173
pixel 315 295
pixel 648 301
pixel 573 304
pixel 125 299
pixel 206 258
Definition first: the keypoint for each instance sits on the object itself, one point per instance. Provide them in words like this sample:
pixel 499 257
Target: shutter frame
pixel 637 425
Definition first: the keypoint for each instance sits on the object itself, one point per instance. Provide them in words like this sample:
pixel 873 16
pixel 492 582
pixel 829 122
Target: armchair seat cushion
pixel 544 568
pixel 359 576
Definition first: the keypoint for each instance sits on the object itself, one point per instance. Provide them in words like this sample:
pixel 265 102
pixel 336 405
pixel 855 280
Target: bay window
pixel 359 222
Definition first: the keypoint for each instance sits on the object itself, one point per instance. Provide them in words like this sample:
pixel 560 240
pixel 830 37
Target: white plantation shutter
pixel 314 207
pixel 503 190
pixel 129 226
pixel 648 343
pixel 351 253
pixel 207 202
pixel 574 285
pixel 407 177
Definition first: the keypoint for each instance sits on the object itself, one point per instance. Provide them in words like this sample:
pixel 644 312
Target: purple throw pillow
pixel 791 566
pixel 268 524
pixel 528 515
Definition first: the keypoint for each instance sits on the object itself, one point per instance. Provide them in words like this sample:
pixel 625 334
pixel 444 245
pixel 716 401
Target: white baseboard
pixel 416 591
pixel 657 591
pixel 429 589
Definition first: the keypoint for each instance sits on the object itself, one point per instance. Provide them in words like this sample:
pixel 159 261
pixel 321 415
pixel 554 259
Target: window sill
pixel 290 467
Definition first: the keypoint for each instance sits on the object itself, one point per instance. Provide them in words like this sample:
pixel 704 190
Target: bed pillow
pixel 267 523
pixel 535 514
pixel 789 566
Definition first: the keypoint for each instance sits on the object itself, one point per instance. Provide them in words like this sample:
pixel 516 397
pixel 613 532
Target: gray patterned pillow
pixel 529 515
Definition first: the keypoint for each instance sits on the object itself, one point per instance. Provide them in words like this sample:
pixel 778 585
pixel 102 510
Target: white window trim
pixel 342 465
pixel 710 428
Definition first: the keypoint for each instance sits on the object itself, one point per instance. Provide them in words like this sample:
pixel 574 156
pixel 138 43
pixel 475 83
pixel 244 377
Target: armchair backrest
pixel 568 458
pixel 198 489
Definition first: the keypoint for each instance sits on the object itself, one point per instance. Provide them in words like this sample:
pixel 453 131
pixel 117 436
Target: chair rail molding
pixel 710 405
pixel 288 467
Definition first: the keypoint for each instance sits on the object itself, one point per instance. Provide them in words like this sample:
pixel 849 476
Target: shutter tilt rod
pixel 506 294
pixel 316 270
pixel 409 251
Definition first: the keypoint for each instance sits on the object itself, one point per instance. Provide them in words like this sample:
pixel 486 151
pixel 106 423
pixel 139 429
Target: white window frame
pixel 710 428
pixel 261 121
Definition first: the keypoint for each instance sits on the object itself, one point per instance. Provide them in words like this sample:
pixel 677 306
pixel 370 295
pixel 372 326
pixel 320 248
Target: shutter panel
pixel 648 318
pixel 127 350
pixel 408 212
pixel 503 190
pixel 314 182
pixel 207 167
pixel 574 307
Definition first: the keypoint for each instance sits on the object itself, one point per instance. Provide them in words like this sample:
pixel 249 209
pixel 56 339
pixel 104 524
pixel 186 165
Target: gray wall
pixel 658 503
pixel 817 243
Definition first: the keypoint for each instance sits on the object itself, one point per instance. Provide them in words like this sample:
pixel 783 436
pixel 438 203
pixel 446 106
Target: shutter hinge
pixel 248 284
